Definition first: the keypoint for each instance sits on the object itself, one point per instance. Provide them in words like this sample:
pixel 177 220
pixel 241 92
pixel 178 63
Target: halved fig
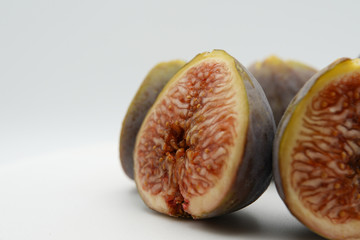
pixel 204 148
pixel 317 152
pixel 141 103
pixel 281 80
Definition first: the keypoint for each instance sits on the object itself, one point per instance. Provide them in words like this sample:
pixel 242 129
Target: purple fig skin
pixel 280 80
pixel 141 103
pixel 247 186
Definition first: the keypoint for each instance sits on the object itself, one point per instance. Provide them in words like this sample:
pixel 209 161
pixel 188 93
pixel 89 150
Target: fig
pixel 317 151
pixel 281 80
pixel 141 103
pixel 205 146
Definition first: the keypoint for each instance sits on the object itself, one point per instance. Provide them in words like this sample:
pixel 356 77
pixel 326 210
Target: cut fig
pixel 317 152
pixel 143 100
pixel 281 80
pixel 204 148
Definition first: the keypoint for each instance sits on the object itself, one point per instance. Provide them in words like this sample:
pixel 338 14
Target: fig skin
pixel 322 227
pixel 253 173
pixel 280 80
pixel 146 95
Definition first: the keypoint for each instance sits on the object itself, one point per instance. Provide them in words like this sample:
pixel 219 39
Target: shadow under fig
pixel 244 224
pixel 231 224
pixel 241 223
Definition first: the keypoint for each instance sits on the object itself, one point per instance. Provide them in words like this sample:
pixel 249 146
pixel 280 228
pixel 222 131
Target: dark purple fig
pixel 317 152
pixel 281 80
pixel 204 147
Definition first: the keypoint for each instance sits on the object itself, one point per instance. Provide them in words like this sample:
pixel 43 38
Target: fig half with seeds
pixel 143 100
pixel 204 147
pixel 281 80
pixel 317 152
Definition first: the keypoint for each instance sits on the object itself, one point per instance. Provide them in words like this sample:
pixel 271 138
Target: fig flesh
pixel 281 80
pixel 141 103
pixel 204 148
pixel 317 152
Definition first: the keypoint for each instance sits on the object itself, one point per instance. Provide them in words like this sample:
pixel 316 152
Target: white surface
pixel 83 194
pixel 68 71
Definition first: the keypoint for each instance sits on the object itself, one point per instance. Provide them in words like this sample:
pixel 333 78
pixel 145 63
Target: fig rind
pixel 252 173
pixel 284 142
pixel 146 95
pixel 280 80
pixel 255 171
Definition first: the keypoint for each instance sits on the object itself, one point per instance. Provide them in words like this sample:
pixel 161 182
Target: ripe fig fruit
pixel 317 152
pixel 204 148
pixel 281 80
pixel 143 100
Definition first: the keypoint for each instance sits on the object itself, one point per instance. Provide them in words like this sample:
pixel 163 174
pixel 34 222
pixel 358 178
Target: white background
pixel 69 69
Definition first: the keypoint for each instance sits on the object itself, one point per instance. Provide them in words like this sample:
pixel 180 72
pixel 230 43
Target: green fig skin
pixel 280 80
pixel 141 103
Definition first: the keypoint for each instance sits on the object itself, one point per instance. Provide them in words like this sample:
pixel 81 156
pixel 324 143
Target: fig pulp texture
pixel 204 147
pixel 317 152
pixel 143 100
pixel 281 80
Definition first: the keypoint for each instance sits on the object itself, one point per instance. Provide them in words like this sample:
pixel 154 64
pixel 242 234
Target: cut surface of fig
pixel 317 152
pixel 143 100
pixel 192 143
